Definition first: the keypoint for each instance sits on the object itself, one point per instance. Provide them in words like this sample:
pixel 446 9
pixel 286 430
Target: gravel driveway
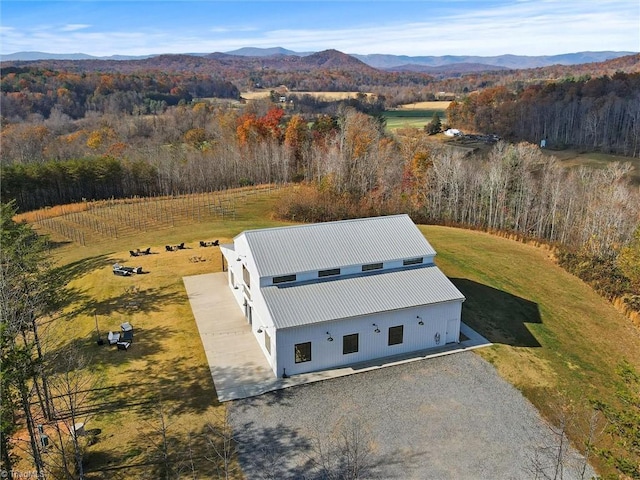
pixel 450 417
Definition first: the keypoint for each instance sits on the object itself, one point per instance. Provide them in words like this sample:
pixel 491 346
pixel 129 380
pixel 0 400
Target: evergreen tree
pixel 435 125
pixel 28 290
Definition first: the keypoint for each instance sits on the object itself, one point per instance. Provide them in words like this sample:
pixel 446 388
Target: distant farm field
pixel 396 119
pixel 553 336
pixel 331 96
pixel 573 158
pixel 414 115
pixel 435 105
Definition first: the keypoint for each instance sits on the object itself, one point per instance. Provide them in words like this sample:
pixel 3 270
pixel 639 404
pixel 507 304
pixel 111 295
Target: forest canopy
pixel 598 114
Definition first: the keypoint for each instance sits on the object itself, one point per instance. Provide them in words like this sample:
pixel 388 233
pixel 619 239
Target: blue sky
pixel 419 27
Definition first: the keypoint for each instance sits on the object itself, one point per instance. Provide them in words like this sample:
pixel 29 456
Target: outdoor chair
pixel 215 243
pixel 133 254
pixel 147 251
pixel 127 332
pixel 113 338
pixel 123 345
pixel 181 246
pixel 168 248
pixel 121 272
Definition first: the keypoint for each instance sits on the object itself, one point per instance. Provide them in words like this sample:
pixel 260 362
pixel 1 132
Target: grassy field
pixel 414 115
pixel 164 375
pixel 573 158
pixel 438 105
pixel 554 338
pixel 331 96
pixel 569 158
pixel 552 334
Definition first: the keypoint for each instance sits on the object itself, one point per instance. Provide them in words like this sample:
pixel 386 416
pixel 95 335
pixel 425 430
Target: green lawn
pixel 410 118
pixel 552 334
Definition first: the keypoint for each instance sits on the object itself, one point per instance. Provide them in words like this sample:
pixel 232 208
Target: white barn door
pixel 452 331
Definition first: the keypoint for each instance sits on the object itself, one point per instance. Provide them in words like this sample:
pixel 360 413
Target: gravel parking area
pixel 450 417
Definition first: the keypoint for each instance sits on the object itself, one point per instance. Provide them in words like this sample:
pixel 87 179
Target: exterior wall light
pixel 261 328
pixel 377 330
pixel 329 337
pixel 420 322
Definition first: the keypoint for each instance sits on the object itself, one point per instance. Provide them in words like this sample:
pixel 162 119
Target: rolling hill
pixel 379 61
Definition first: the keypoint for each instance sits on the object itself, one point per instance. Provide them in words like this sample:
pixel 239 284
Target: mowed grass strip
pixel 552 333
pixel 554 338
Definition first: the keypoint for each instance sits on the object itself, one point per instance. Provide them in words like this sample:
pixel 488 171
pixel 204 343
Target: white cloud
pixel 72 27
pixel 524 27
pixel 230 29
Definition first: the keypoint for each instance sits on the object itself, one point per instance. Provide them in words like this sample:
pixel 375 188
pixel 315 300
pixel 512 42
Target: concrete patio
pixel 238 367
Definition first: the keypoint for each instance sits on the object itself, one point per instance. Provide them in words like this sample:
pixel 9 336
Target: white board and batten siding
pixel 341 278
pixel 249 298
pixel 327 354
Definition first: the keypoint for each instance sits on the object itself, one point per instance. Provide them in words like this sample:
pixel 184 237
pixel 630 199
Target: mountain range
pixel 425 64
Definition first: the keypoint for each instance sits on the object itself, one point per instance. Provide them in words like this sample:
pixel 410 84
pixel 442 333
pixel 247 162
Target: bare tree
pixel 71 388
pixel 221 445
pixel 344 452
pixel 163 444
pixel 556 457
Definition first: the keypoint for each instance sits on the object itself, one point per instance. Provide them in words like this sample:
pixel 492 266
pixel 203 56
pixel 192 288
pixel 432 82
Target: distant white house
pixel 325 295
pixel 453 132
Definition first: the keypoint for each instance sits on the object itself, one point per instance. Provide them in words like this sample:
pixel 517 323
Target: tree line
pixel 189 149
pixel 195 148
pixel 347 166
pixel 597 114
pixel 27 91
pixel 356 167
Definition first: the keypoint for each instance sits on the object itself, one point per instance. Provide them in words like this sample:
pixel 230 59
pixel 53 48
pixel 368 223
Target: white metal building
pixel 324 295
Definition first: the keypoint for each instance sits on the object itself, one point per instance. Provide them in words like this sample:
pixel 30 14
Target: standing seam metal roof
pixel 325 300
pixel 319 246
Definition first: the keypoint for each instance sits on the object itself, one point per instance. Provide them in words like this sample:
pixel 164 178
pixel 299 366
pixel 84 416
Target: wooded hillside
pixel 598 114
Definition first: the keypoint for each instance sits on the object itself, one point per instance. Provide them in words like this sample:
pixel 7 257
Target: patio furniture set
pixel 123 271
pixel 137 252
pixel 122 339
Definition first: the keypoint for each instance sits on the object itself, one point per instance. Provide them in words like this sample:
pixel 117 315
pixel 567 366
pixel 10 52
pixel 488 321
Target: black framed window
pixel 284 279
pixel 329 273
pixel 303 352
pixel 412 261
pixel 396 334
pixel 350 343
pixel 371 266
